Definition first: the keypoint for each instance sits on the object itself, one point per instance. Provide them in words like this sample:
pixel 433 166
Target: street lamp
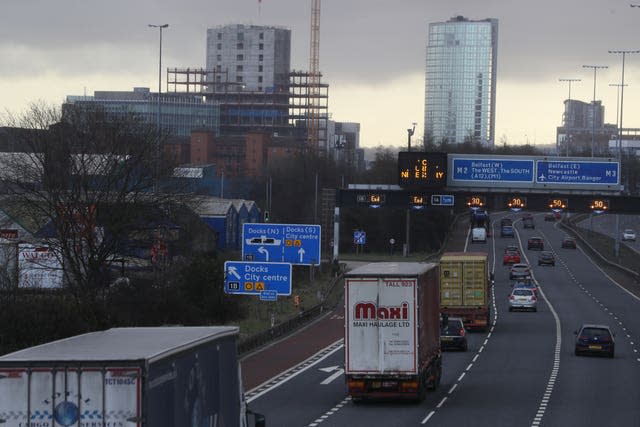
pixel 624 54
pixel 618 85
pixel 160 27
pixel 410 132
pixel 566 120
pixel 593 105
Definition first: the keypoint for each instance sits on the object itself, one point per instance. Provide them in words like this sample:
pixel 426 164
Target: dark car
pixel 546 258
pixel 569 243
pixel 452 334
pixel 535 243
pixel 595 339
pixel 549 217
pixel 506 221
pixel 528 223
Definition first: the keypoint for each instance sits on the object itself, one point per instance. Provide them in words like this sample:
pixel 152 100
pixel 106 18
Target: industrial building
pixel 460 81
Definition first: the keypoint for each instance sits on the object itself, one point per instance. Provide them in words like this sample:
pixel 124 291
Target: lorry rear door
pixel 381 325
pixel 70 396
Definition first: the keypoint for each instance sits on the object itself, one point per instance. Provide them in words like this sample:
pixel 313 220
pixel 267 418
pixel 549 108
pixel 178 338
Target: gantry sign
pixel 536 183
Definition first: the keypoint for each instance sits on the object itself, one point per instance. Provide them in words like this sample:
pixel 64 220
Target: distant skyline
pixel 372 54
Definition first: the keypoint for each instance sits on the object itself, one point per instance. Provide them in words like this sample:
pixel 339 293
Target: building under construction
pixel 282 110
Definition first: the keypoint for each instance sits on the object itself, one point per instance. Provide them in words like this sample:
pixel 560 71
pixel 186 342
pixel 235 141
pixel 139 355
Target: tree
pixel 90 178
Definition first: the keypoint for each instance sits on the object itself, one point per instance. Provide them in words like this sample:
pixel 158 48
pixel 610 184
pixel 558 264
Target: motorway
pixel 520 373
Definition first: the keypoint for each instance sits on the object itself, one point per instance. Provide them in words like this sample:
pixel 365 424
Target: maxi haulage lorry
pixel 392 330
pixel 464 288
pixel 151 377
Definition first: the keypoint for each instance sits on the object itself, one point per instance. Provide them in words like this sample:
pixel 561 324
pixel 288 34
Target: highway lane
pixel 522 373
pixel 591 391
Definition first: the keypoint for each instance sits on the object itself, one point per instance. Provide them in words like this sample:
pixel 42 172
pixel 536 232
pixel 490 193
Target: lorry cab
pixel 478 235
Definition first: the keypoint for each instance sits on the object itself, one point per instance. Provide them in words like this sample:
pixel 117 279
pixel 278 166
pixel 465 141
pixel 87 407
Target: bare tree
pixel 90 178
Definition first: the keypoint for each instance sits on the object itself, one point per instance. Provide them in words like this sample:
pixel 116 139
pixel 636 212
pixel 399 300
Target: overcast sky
pixel 372 54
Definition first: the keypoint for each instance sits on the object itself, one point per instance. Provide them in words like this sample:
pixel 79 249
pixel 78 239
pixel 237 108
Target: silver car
pixel 523 299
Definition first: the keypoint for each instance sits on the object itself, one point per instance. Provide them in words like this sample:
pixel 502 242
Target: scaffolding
pixel 295 109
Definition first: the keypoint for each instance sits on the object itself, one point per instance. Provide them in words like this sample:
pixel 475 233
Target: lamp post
pixel 566 120
pixel 160 27
pixel 593 105
pixel 410 132
pixel 618 85
pixel 624 54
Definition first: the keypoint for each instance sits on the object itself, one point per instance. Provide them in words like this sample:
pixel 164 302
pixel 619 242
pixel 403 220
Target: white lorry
pixel 159 377
pixel 392 331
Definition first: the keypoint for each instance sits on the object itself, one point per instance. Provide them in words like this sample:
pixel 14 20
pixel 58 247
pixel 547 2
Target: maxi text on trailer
pixel 159 377
pixel 392 331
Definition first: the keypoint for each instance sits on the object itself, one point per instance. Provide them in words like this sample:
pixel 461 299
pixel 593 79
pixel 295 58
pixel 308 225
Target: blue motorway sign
pixel 293 243
pixel 577 172
pixel 492 170
pixel 254 278
pixel 442 199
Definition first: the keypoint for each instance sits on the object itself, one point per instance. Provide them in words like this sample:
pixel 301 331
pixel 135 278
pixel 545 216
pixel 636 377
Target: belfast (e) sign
pixel 535 172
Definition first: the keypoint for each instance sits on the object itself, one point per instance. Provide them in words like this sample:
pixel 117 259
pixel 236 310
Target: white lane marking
pixel 427 417
pixel 444 399
pixel 556 360
pixel 332 377
pixel 461 376
pixel 469 367
pixel 453 388
pixel 278 380
pixel 329 412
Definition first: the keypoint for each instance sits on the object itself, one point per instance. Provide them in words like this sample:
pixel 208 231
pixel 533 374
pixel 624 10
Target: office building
pixel 460 81
pixel 179 113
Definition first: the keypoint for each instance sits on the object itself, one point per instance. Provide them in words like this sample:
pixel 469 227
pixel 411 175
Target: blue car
pixel 507 231
pixel 595 339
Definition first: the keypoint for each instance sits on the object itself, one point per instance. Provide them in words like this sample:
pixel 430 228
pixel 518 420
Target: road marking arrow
pixel 332 377
pixel 262 250
pixel 234 272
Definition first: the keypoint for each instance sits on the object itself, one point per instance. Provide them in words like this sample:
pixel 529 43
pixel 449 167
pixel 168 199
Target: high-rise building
pixel 579 133
pixel 460 82
pixel 254 58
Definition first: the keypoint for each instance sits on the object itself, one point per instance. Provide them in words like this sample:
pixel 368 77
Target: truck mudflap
pixel 409 387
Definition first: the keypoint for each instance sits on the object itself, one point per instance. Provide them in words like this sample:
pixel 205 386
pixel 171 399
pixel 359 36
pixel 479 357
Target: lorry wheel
pixel 436 373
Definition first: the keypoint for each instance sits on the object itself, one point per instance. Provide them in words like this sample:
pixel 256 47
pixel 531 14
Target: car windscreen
pixel 522 292
pixel 451 328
